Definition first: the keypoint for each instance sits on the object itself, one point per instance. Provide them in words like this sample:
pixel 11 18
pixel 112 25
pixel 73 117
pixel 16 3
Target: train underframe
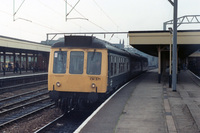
pixel 72 100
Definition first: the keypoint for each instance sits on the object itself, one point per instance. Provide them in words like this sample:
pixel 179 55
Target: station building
pixel 18 55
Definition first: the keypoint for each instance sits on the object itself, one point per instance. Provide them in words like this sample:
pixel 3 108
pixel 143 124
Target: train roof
pixel 86 42
pixel 82 42
pixel 90 42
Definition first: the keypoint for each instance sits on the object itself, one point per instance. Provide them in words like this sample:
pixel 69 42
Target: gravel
pixel 33 123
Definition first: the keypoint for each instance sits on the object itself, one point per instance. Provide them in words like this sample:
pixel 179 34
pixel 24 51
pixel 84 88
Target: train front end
pixel 77 75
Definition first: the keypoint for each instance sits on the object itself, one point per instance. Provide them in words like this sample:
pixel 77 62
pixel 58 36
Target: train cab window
pixel 94 63
pixel 60 59
pixel 76 62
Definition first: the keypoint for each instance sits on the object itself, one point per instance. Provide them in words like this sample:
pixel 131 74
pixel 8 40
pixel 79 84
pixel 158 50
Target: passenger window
pixel 60 59
pixel 111 70
pixel 94 63
pixel 76 62
pixel 115 66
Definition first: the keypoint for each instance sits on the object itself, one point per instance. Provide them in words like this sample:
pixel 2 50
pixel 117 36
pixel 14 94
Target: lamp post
pixel 174 57
pixel 174 54
pixel 170 58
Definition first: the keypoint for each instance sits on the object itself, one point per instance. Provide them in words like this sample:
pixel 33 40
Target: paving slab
pixel 137 108
pixel 184 103
pixel 145 106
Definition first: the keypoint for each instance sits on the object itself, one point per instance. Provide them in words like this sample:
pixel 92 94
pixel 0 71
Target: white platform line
pixel 22 75
pixel 194 74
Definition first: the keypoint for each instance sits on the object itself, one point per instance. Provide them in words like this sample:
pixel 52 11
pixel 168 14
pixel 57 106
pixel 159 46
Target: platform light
pixel 170 30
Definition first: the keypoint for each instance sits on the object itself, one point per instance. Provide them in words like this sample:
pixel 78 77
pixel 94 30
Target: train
pixel 85 69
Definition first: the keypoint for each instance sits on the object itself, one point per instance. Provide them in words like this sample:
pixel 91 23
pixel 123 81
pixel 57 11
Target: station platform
pixel 23 73
pixel 12 79
pixel 145 106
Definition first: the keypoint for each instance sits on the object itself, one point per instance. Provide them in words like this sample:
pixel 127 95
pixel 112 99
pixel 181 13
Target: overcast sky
pixel 35 18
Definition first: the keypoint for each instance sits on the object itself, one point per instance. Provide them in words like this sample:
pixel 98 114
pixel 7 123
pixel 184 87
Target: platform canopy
pixel 188 41
pixel 21 45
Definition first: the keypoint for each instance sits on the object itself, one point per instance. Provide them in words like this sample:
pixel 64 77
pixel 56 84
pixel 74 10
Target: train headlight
pixel 58 84
pixel 93 85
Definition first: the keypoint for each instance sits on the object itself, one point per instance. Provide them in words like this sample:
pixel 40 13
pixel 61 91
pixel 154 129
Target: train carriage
pixel 83 69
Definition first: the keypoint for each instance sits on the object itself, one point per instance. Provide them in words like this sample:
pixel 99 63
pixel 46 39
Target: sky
pixel 36 18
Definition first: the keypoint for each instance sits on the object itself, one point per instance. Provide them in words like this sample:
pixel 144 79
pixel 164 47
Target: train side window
pixel 60 59
pixel 76 62
pixel 119 67
pixel 123 64
pixel 111 70
pixel 111 65
pixel 127 66
pixel 115 68
pixel 94 63
pixel 115 65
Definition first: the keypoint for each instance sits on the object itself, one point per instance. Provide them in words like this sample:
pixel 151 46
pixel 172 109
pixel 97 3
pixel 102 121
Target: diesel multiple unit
pixel 84 69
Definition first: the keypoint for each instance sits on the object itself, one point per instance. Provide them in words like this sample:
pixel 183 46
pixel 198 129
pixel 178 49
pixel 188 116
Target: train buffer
pixel 145 106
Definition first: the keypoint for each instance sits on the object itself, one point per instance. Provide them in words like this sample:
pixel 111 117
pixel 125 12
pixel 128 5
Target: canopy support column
pixel 159 64
pixel 170 64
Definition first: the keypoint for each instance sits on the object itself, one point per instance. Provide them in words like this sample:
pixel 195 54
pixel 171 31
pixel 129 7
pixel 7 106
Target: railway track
pixel 23 103
pixel 50 124
pixel 12 103
pixel 68 122
pixel 21 86
pixel 24 112
pixel 71 121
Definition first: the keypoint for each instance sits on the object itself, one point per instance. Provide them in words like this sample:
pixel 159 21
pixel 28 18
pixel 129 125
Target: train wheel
pixel 81 104
pixel 63 105
pixel 69 103
pixel 58 103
